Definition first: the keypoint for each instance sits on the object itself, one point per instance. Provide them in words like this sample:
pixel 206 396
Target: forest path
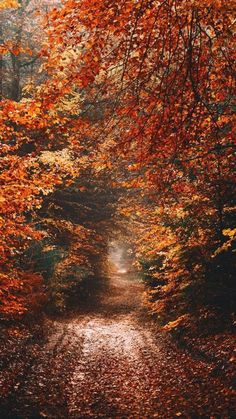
pixel 109 363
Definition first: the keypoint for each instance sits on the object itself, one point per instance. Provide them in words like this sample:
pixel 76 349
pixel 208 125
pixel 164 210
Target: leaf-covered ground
pixel 110 362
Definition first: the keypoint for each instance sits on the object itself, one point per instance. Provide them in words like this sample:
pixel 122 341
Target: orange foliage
pixel 150 82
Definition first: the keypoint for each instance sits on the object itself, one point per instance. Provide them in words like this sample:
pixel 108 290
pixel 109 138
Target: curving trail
pixel 110 363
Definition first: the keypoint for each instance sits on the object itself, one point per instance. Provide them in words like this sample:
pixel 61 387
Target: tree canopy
pixel 136 97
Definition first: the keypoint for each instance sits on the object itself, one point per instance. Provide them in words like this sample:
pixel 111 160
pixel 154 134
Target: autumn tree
pixel 164 74
pixel 148 89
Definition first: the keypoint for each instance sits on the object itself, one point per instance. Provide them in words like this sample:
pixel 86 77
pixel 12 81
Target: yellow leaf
pixel 229 232
pixel 9 4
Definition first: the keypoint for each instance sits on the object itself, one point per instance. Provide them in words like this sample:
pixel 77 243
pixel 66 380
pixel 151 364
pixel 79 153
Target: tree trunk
pixel 15 85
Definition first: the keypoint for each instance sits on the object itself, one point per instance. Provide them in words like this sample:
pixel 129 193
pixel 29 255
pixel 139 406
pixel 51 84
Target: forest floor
pixel 109 362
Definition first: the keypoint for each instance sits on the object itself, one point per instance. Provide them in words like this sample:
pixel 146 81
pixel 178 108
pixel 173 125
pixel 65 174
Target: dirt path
pixel 109 363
